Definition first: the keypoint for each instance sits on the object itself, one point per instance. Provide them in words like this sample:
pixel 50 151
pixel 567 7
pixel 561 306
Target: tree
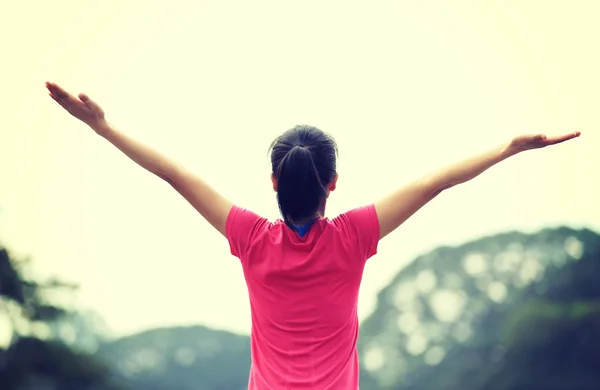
pixel 34 358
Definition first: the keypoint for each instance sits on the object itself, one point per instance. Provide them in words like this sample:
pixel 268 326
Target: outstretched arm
pixel 395 209
pixel 208 202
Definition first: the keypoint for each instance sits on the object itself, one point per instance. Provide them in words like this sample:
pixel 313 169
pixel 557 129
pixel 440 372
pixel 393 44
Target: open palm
pixel 528 142
pixel 81 107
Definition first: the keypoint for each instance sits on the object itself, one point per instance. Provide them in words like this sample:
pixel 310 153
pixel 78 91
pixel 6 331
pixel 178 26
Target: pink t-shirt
pixel 303 297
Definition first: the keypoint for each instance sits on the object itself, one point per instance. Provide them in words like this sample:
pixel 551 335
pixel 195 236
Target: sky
pixel 405 87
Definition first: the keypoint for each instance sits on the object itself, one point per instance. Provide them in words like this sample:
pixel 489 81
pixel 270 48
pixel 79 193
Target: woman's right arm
pixel 208 202
pixel 395 209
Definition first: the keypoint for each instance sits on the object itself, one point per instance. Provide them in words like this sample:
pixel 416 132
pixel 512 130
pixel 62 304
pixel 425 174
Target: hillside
pixel 496 313
pixel 180 358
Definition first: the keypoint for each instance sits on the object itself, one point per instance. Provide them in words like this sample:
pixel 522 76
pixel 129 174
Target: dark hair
pixel 304 163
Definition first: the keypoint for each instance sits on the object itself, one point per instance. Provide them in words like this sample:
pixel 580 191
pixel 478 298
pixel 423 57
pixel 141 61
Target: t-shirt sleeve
pixel 242 228
pixel 361 227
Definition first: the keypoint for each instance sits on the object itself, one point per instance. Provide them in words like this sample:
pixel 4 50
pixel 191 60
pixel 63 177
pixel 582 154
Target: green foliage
pixel 30 363
pixel 11 285
pixel 539 336
pixel 536 314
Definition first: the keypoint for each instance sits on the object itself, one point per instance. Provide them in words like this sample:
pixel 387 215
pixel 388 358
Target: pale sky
pixel 405 87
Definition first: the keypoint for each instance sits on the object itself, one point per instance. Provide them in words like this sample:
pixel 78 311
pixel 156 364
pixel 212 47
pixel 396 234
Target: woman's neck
pixel 319 214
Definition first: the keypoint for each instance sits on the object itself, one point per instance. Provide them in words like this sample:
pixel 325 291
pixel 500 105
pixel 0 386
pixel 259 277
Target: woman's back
pixel 303 294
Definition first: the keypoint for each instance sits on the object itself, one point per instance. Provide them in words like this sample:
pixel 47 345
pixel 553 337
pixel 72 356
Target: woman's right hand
pixel 82 108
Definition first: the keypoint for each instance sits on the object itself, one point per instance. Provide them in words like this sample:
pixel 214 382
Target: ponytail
pixel 303 162
pixel 300 191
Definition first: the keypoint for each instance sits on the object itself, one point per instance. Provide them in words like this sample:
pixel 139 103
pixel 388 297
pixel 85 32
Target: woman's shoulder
pixel 358 215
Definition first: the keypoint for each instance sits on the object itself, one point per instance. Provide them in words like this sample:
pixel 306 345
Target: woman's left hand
pixel 528 142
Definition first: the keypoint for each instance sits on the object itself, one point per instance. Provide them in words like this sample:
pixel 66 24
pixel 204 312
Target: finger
pixel 68 107
pixel 54 88
pixel 61 103
pixel 562 138
pixel 57 99
pixel 89 102
pixel 68 100
pixel 59 92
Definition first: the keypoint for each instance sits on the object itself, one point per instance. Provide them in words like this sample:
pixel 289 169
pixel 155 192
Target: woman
pixel 303 273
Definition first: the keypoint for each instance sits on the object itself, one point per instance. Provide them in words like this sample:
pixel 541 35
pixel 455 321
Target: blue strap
pixel 303 229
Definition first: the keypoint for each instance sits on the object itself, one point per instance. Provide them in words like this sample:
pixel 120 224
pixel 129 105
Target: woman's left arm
pixel 395 209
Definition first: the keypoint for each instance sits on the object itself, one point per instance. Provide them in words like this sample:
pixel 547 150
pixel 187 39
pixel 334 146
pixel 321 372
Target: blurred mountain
pixel 512 311
pixel 507 312
pixel 180 358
